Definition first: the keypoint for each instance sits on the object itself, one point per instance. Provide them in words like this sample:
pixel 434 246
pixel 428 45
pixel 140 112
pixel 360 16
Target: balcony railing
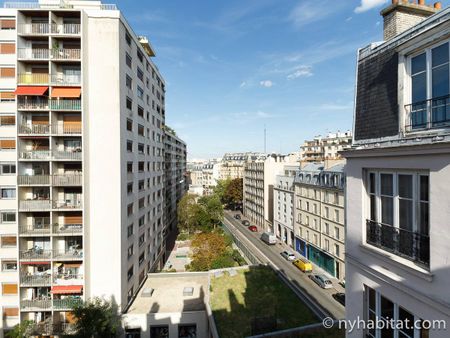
pixel 408 244
pixel 34 229
pixel 68 204
pixel 41 129
pixel 34 28
pixel 66 29
pixel 67 155
pixel 35 155
pixel 429 114
pixel 28 103
pixel 66 129
pixel 37 304
pixel 66 54
pixel 65 104
pixel 34 205
pixel 65 80
pixel 35 254
pixel 33 53
pixel 49 329
pixel 66 279
pixel 73 254
pixel 66 229
pixel 67 180
pixel 33 78
pixel 35 280
pixel 66 304
pixel 33 179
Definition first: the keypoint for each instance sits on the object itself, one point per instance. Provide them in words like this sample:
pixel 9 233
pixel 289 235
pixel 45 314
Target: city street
pixel 271 254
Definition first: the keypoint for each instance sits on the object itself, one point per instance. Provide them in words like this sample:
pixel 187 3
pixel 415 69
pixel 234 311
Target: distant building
pixel 232 164
pixel 319 216
pixel 203 176
pixel 326 148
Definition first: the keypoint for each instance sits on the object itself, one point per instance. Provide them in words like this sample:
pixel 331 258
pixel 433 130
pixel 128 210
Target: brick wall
pixel 397 22
pixel 376 102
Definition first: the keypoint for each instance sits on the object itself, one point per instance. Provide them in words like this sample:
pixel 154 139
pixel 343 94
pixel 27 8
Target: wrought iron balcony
pixel 428 114
pixel 35 254
pixel 35 229
pixel 73 254
pixel 408 244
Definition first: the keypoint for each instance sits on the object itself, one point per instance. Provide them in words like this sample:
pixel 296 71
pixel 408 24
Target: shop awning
pixel 30 90
pixel 73 92
pixel 66 289
pixel 35 263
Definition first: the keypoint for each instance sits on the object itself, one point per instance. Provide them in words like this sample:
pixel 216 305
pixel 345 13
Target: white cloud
pixel 266 83
pixel 307 12
pixel 243 84
pixel 302 71
pixel 368 5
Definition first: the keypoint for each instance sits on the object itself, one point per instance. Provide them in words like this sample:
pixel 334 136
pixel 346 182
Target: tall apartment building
pixel 319 216
pixel 82 160
pixel 176 183
pixel 258 187
pixel 325 148
pixel 398 196
pixel 203 177
pixel 232 164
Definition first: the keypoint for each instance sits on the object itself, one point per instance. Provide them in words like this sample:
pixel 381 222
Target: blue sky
pixel 233 67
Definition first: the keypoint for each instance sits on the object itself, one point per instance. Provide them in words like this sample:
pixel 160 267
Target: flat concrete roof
pixel 168 296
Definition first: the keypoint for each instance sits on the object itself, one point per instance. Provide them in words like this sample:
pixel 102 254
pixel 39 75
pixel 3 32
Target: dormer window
pixel 430 89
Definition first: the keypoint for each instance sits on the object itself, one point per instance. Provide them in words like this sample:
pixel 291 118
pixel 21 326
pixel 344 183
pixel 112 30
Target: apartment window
pixel 141 258
pixel 130 272
pixel 8 217
pixel 129 188
pixel 129 82
pixel 9 289
pixel 130 209
pixel 336 198
pixel 327 245
pixel 336 250
pixel 336 215
pixel 130 251
pixel 7 144
pixel 327 212
pixel 7 24
pixel 7 48
pixel 7 120
pixel 129 167
pixel 130 230
pixel 140 74
pixel 9 266
pixel 128 60
pixel 8 241
pixel 141 130
pixel 141 111
pixel 130 295
pixel 128 38
pixel 7 193
pixel 141 203
pixel 7 168
pixel 398 219
pixel 316 239
pixel 141 185
pixel 141 221
pixel 129 103
pixel 141 166
pixel 140 93
pixel 129 125
pixel 140 56
pixel 129 146
pixel 141 239
pixel 7 97
pixel 327 228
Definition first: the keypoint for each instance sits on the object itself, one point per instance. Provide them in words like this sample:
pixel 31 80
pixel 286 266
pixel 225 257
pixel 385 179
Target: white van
pixel 269 238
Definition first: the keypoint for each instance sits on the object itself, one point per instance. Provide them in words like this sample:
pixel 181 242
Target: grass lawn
pixel 254 293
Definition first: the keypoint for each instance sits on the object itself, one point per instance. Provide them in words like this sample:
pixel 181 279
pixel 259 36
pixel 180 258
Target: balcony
pixel 428 115
pixel 67 129
pixel 35 253
pixel 34 28
pixel 34 205
pixel 28 103
pixel 66 29
pixel 67 155
pixel 411 245
pixel 33 179
pixel 50 329
pixel 33 79
pixel 35 280
pixel 66 54
pixel 67 180
pixel 35 155
pixel 70 254
pixel 65 80
pixel 35 304
pixel 33 53
pixel 38 129
pixel 68 279
pixel 66 304
pixel 65 104
pixel 68 229
pixel 68 205
pixel 35 229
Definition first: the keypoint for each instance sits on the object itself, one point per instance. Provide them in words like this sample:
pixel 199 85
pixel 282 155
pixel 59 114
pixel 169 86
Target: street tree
pixel 207 247
pixel 213 208
pixel 188 213
pixel 220 189
pixel 234 192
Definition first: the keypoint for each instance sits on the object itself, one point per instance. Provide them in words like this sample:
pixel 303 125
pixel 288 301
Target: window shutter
pixel 9 241
pixel 7 120
pixel 8 24
pixel 11 312
pixel 9 289
pixel 7 144
pixel 7 95
pixel 7 48
pixel 7 72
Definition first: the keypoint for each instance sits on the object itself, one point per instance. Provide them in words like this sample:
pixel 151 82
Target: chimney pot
pixel 422 2
pixel 438 5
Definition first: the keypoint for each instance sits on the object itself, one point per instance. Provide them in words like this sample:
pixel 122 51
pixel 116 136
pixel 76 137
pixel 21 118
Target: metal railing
pixel 33 78
pixel 67 228
pixel 34 129
pixel 32 103
pixel 33 179
pixel 66 54
pixel 66 129
pixel 65 104
pixel 66 304
pixel 35 155
pixel 65 80
pixel 68 254
pixel 35 280
pixel 67 279
pixel 32 28
pixel 34 229
pixel 37 5
pixel 68 204
pixel 408 244
pixel 67 180
pixel 34 205
pixel 67 155
pixel 33 53
pixel 429 114
pixel 32 304
pixel 66 29
pixel 35 253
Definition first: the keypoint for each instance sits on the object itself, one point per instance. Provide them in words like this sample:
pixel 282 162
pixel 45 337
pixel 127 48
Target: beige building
pixel 319 217
pixel 232 164
pixel 82 160
pixel 325 148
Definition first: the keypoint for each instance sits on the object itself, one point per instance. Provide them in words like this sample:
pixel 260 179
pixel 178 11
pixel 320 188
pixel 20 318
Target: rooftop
pixel 167 295
pixel 59 4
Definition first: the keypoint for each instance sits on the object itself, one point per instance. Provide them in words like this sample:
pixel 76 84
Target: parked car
pixel 237 216
pixel 245 222
pixel 340 297
pixel 303 264
pixel 269 238
pixel 288 255
pixel 253 228
pixel 322 281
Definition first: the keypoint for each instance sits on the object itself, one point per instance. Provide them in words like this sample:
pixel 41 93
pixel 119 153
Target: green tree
pixel 213 208
pixel 97 318
pixel 188 213
pixel 220 189
pixel 21 330
pixel 234 192
pixel 207 248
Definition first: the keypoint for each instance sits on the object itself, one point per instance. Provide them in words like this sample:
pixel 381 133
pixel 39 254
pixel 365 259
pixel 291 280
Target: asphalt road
pixel 271 254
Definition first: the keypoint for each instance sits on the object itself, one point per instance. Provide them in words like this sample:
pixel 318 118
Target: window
pixel 336 250
pixel 140 74
pixel 7 48
pixel 141 148
pixel 129 125
pixel 141 258
pixel 129 188
pixel 129 82
pixel 7 193
pixel 7 144
pixel 336 215
pixel 128 59
pixel 141 239
pixel 141 166
pixel 140 93
pixel 129 103
pixel 130 272
pixel 327 228
pixel 130 209
pixel 141 221
pixel 141 203
pixel 336 232
pixel 9 266
pixel 7 120
pixel 140 130
pixel 130 230
pixel 130 251
pixel 129 146
pixel 327 245
pixel 7 72
pixel 404 232
pixel 8 241
pixel 140 56
pixel 141 111
pixel 187 330
pixel 8 217
pixel 430 81
pixel 128 38
pixel 159 331
pixel 9 289
pixel 129 167
pixel 141 185
pixel 7 168
pixel 7 24
pixel 129 298
pixel 7 97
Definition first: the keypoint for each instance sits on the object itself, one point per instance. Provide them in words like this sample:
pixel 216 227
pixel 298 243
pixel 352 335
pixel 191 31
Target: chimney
pixel 404 14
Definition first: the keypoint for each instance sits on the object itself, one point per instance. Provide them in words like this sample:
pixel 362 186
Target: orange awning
pixel 66 92
pixel 30 90
pixel 66 289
